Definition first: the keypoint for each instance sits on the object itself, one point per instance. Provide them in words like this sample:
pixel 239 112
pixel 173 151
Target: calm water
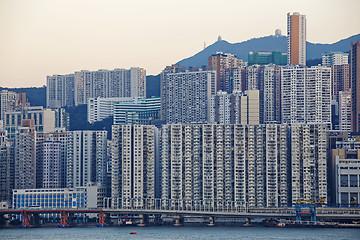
pixel 185 232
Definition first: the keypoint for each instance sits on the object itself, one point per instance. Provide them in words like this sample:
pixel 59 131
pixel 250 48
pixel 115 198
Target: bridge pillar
pixel 64 219
pixel 247 222
pixel 102 222
pixel 178 221
pixel 211 221
pixel 25 219
pixel 143 220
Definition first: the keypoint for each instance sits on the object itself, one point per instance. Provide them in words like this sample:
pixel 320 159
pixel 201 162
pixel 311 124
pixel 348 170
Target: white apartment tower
pixel 345 111
pixel 86 158
pixel 109 83
pixel 296 39
pixel 51 159
pixel 335 58
pixel 133 162
pixel 306 94
pixel 185 95
pixel 309 162
pixel 215 164
pixel 60 91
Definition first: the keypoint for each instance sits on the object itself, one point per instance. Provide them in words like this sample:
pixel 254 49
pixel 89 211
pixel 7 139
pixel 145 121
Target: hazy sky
pixel 46 37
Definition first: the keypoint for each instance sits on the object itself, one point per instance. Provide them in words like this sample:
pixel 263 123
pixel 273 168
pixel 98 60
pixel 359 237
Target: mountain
pixel 269 43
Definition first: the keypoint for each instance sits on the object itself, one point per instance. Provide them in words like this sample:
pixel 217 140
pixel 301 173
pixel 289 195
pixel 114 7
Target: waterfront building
pixel 60 91
pixel 264 58
pixel 355 85
pixel 246 164
pixel 86 158
pixel 25 156
pixel 296 39
pixel 219 62
pixel 6 171
pixel 309 162
pixel 51 159
pixel 134 160
pixel 185 95
pixel 334 58
pixel 44 119
pixel 306 94
pixel 87 197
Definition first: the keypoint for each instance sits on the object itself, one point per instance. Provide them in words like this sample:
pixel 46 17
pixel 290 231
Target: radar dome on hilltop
pixel 277 33
pixel 219 38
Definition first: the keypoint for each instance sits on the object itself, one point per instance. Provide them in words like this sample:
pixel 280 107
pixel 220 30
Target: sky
pixel 39 38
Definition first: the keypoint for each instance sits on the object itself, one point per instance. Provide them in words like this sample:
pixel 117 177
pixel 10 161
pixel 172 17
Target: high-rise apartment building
pixel 334 58
pixel 235 79
pixel 185 95
pixel 216 164
pixel 219 62
pixel 306 94
pixel 340 80
pixel 250 107
pixel 11 101
pixel 296 39
pixel 51 159
pixel 271 99
pixel 355 85
pixel 60 91
pixel 25 156
pixel 6 171
pixel 345 111
pixel 309 162
pixel 109 83
pixel 86 158
pixel 134 160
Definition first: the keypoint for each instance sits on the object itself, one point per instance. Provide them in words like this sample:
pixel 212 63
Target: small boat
pixel 133 233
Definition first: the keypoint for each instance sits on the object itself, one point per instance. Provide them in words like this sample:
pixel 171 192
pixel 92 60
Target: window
pixel 344 181
pixel 353 180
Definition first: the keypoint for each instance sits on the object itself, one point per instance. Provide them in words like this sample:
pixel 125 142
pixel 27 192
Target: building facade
pixel 309 162
pixel 296 39
pixel 60 91
pixel 88 197
pixel 25 156
pixel 44 119
pixel 134 159
pixel 306 94
pixel 109 83
pixel 264 58
pixel 334 58
pixel 345 111
pixel 86 158
pixel 217 164
pixel 355 85
pixel 185 95
pixel 219 62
